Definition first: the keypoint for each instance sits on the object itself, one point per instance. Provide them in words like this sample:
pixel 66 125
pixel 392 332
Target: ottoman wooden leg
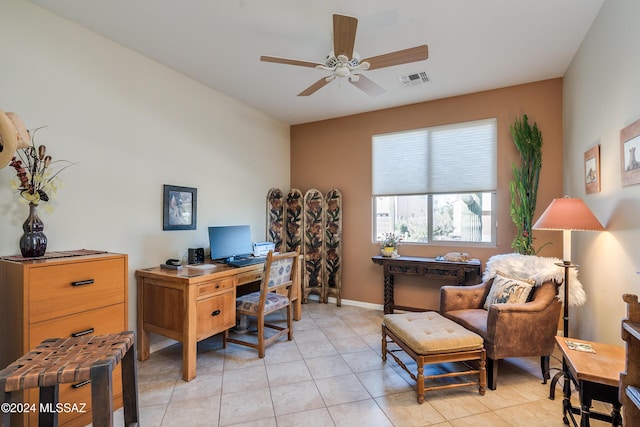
pixel 420 380
pixel 101 395
pixel 48 397
pixel 483 373
pixel 130 388
pixel 6 415
pixel 384 344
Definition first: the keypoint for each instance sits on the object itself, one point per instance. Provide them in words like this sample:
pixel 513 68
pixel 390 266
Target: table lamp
pixel 567 214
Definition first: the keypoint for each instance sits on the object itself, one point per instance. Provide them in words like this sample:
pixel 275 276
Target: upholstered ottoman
pixel 429 338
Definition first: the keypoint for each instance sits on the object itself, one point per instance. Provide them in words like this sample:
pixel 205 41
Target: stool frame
pixel 86 358
pixel 429 359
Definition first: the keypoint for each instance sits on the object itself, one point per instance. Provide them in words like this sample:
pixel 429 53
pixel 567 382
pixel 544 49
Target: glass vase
pixel 33 242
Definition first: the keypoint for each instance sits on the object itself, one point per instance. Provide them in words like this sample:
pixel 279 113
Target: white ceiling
pixel 474 45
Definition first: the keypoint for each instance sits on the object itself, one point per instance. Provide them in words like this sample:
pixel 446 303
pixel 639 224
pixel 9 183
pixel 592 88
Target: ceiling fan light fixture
pixel 343 71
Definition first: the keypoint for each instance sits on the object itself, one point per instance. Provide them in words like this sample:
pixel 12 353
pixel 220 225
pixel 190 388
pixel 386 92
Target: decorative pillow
pixel 508 289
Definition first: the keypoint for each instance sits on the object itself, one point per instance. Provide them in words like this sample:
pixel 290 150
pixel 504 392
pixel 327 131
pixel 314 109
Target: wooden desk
pixel 192 304
pixel 457 272
pixel 597 377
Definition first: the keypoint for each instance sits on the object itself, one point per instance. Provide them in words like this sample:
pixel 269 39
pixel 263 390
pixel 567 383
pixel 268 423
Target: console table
pixel 462 273
pixel 192 304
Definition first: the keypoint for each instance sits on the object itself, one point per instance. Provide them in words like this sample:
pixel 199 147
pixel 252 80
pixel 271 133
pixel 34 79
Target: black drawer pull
pixel 82 282
pixel 81 333
pixel 81 384
pixel 215 313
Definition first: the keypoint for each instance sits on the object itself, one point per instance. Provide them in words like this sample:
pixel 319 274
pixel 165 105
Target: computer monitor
pixel 230 241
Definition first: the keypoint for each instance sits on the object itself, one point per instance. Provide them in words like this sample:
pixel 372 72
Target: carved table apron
pixel 458 272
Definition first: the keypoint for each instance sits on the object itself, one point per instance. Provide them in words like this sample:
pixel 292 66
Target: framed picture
pixel 179 208
pixel 592 170
pixel 630 152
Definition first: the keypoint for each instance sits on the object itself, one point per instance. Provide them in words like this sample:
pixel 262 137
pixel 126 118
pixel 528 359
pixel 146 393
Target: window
pixel 438 184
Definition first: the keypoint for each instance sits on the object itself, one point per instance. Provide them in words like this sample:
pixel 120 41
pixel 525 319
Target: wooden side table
pixel 597 377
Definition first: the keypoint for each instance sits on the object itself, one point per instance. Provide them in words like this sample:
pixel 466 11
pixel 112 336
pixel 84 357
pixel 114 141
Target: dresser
pixel 60 298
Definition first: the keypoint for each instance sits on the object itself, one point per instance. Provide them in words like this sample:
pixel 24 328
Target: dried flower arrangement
pixel 36 181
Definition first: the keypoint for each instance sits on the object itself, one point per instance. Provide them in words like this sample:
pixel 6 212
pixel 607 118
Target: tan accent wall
pixel 336 153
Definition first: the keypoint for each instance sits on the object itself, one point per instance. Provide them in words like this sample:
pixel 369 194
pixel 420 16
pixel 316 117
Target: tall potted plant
pixel 524 185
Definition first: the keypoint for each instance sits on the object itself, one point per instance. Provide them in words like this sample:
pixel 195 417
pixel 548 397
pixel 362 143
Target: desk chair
pixel 280 271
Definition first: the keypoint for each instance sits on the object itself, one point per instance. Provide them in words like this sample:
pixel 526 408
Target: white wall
pixel 132 125
pixel 602 96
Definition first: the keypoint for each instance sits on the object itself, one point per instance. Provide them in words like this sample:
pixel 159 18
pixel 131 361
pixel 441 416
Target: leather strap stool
pixel 86 358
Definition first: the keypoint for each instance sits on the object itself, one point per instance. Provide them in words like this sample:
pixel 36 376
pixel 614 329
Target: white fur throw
pixel 539 269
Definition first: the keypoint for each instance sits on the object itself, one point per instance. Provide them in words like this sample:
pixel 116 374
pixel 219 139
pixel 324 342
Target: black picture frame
pixel 179 208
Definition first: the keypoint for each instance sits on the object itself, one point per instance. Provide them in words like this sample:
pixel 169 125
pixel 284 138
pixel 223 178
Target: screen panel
pixel 229 241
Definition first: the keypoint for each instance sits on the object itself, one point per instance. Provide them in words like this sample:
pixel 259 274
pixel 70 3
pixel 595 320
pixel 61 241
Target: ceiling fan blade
pixel 287 61
pixel 418 53
pixel 367 85
pixel 317 85
pixel 344 35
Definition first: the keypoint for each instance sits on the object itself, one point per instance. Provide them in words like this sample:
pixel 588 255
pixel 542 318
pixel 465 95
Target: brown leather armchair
pixel 508 330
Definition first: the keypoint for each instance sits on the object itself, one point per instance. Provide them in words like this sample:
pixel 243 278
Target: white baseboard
pixel 353 303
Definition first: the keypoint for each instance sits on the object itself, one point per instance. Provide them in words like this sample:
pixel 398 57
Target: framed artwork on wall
pixel 179 208
pixel 629 152
pixel 592 170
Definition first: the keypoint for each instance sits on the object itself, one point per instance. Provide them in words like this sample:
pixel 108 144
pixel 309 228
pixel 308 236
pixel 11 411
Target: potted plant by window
pixel 389 244
pixel 524 185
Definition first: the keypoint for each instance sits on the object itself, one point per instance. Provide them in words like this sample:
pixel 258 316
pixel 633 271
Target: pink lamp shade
pixel 568 214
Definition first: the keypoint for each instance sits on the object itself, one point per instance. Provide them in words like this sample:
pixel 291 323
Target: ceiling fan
pixel 345 63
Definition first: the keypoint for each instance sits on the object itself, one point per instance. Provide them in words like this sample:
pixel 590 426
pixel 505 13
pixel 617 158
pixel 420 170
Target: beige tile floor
pixel 331 374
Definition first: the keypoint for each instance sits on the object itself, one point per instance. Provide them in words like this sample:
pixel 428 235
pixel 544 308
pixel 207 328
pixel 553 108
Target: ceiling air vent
pixel 414 79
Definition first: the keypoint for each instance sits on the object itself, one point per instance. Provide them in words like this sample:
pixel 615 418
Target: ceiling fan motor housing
pixel 332 61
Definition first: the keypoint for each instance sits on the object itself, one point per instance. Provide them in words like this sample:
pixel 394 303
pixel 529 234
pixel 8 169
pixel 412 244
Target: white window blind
pixel 443 159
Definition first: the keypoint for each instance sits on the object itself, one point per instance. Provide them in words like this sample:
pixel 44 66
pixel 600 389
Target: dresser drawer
pixel 105 320
pixel 60 290
pixel 215 314
pixel 77 399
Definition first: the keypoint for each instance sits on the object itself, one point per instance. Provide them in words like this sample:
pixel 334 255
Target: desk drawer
pixel 249 277
pixel 215 314
pixel 60 290
pixel 215 287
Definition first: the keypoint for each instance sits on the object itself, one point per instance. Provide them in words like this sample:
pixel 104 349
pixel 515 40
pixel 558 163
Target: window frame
pixel 377 185
pixel 433 242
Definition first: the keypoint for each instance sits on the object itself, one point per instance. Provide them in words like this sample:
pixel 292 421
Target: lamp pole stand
pixel 564 373
pixel 565 325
